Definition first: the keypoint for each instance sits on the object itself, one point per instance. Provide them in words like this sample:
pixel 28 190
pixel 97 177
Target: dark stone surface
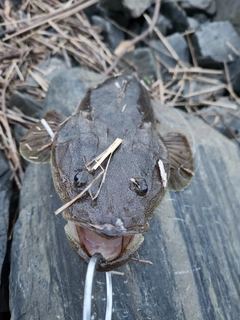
pixel 134 8
pixel 178 43
pixel 112 6
pixel 50 68
pixel 200 17
pixel 143 61
pixel 176 15
pixel 193 23
pixel 193 239
pixel 164 24
pixel 112 35
pixel 5 194
pixel 228 10
pixel 234 70
pixel 18 132
pixel 26 104
pixel 206 6
pixel 225 120
pixel 16 3
pixel 210 44
pixel 68 89
pixel 194 87
pixel 5 198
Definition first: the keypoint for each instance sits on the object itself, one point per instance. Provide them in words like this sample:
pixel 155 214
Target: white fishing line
pixel 47 127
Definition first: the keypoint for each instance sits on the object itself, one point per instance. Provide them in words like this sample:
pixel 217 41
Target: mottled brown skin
pixel 139 171
pixel 98 121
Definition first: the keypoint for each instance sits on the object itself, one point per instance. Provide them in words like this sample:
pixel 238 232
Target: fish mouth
pixel 111 248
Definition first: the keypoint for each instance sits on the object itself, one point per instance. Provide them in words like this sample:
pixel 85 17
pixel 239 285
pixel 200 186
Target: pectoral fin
pixel 35 145
pixel 181 161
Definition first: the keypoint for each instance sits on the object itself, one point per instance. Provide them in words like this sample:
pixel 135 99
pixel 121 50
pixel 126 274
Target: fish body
pixel 112 214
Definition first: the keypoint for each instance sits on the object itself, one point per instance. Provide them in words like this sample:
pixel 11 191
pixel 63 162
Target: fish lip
pixel 108 230
pixel 133 243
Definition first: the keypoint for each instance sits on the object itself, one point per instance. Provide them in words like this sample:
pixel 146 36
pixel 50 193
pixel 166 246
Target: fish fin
pixel 181 161
pixel 35 145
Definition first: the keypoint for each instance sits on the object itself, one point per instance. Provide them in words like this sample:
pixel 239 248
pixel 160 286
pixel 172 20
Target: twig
pixel 218 104
pixel 192 51
pixel 196 70
pixel 197 93
pixel 142 261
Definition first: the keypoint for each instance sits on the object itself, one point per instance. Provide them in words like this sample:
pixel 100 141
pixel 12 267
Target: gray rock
pixel 193 23
pixel 93 10
pixel 133 7
pixel 112 5
pixel 16 3
pixel 194 87
pixel 164 24
pixel 210 43
pixel 5 196
pixel 50 68
pixel 26 104
pixel 66 92
pixel 112 35
pixel 18 132
pixel 234 70
pixel 229 11
pixel 206 6
pixel 176 15
pixel 200 17
pixel 193 237
pixel 137 7
pixel 225 120
pixel 2 32
pixel 143 61
pixel 178 43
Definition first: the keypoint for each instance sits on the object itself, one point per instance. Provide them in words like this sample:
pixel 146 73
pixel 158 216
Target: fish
pixel 110 167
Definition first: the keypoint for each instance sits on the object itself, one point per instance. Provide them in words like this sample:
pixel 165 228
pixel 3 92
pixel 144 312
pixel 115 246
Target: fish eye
pixel 139 185
pixel 80 179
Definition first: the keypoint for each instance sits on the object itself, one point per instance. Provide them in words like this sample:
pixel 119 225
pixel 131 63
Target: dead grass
pixel 28 41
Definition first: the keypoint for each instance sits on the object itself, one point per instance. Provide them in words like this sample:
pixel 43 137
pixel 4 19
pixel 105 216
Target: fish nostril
pixel 139 185
pixel 80 179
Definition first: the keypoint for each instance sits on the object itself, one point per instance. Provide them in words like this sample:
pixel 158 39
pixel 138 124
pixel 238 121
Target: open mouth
pixel 111 248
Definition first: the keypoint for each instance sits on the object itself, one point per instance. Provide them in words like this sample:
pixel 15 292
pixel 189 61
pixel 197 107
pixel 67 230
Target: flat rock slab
pixel 5 195
pixel 133 7
pixel 5 198
pixel 229 11
pixel 212 44
pixel 193 241
pixel 180 46
pixel 206 6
